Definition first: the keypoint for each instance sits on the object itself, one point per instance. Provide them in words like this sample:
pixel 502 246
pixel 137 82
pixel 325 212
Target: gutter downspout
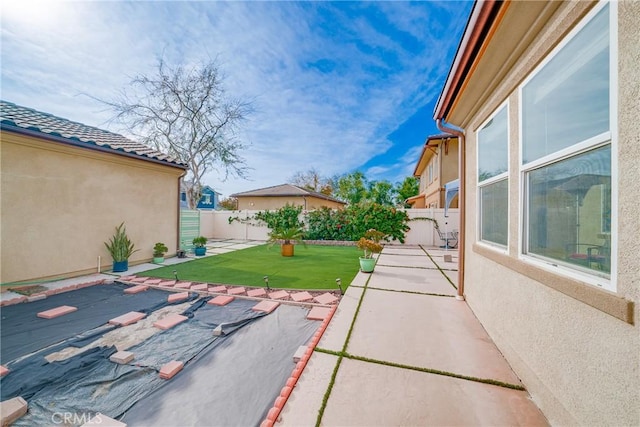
pixel 461 198
pixel 184 173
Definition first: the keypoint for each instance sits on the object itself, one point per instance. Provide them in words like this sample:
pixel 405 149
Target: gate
pixel 189 228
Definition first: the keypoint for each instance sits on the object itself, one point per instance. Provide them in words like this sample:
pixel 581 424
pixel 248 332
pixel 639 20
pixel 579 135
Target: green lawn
pixel 313 267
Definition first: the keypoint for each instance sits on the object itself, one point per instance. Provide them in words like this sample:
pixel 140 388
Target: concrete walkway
pixel 401 350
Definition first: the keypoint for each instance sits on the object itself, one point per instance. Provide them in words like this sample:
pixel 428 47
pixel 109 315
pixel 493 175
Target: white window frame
pixel 505 175
pixel 606 138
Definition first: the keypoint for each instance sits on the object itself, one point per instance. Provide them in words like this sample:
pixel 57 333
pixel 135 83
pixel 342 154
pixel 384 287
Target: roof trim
pixel 36 124
pixel 6 127
pixel 302 192
pixel 481 24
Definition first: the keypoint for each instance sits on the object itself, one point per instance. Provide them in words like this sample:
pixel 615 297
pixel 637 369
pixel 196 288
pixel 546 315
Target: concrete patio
pixel 401 350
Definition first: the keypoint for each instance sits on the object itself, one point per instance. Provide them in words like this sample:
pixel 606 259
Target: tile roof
pixel 15 117
pixel 284 190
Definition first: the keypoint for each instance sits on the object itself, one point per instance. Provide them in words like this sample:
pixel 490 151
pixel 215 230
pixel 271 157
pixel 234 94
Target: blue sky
pixel 337 86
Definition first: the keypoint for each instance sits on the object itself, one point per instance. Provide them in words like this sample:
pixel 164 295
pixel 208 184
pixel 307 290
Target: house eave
pixel 484 16
pixel 6 127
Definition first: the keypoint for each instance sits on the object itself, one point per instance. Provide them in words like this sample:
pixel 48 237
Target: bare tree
pixel 312 180
pixel 186 113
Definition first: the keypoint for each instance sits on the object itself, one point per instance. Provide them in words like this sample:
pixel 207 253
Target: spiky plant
pixel 119 245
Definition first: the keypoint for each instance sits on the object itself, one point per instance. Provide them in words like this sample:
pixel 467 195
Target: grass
pixel 313 267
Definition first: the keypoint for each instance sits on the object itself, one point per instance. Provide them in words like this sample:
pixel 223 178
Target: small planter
pixel 200 251
pixel 158 260
pixel 367 264
pixel 120 266
pixel 286 249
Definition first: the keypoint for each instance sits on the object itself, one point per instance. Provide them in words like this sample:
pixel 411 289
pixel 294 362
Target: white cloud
pixel 327 82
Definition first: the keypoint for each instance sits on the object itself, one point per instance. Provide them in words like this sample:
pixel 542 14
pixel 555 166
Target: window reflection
pixel 570 211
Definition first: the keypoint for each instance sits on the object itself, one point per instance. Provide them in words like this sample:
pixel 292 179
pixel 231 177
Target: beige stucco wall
pixel 60 203
pixel 271 203
pixel 575 347
pixel 446 171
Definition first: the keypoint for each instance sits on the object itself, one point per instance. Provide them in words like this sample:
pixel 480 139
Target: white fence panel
pixel 423 231
pixel 215 224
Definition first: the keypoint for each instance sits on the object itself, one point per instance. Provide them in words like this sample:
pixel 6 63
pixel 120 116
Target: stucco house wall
pixel 575 346
pixel 60 203
pixel 278 196
pixel 442 157
pixel 274 202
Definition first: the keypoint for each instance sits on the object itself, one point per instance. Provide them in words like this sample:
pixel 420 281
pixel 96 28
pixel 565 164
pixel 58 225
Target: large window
pixel 493 183
pixel 566 152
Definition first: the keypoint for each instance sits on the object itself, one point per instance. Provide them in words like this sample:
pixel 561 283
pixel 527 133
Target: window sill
pixel 599 299
pixel 493 247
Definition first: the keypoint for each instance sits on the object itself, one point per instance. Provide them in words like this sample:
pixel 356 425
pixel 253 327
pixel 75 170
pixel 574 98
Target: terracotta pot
pixel 286 249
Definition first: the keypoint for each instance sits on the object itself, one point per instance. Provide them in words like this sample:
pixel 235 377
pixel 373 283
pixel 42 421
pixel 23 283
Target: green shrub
pixel 328 224
pixel 199 241
pixel 353 222
pixel 287 217
pixel 159 250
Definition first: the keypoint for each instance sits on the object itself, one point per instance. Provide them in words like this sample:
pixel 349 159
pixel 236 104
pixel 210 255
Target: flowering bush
pixel 328 224
pixel 354 221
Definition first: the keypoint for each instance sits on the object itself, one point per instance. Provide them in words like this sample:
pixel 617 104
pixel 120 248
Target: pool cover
pixel 23 332
pixel 231 379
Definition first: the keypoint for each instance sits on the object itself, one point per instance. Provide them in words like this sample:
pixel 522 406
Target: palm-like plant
pixel 287 235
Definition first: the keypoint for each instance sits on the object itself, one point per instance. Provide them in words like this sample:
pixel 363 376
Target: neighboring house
pixel 66 186
pixel 208 201
pixel 280 195
pixel 545 98
pixel 437 165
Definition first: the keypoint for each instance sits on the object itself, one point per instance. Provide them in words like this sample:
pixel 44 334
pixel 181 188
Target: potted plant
pixel 120 248
pixel 199 242
pixel 370 244
pixel 286 236
pixel 158 252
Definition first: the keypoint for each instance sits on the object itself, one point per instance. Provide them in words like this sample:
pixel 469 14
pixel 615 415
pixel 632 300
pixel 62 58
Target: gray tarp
pixel 228 380
pixel 23 332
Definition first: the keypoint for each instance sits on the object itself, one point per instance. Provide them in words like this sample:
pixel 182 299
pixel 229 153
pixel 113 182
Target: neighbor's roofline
pixel 10 126
pixel 309 193
pixel 482 20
